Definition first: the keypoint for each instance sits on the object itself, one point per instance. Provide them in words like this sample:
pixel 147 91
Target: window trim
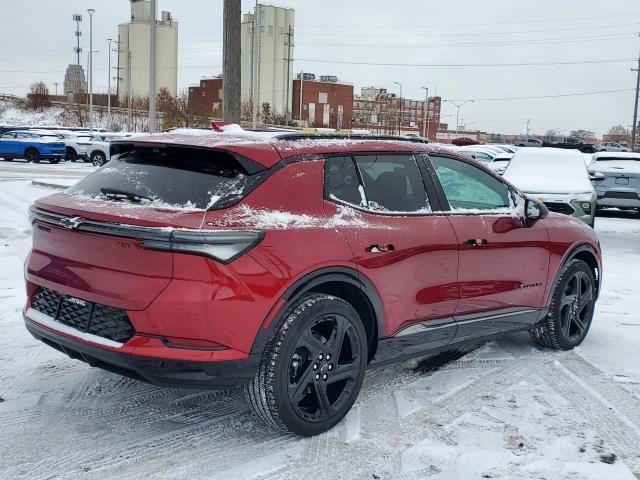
pixel 443 197
pixel 432 197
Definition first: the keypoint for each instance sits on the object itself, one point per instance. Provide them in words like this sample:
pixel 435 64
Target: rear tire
pixel 571 310
pixel 312 370
pixel 98 159
pixel 32 155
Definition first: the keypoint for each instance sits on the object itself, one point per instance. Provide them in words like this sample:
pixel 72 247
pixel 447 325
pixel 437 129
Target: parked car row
pixel 55 145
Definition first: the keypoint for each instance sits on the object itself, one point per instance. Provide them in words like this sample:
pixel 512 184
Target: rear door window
pixel 341 181
pixel 392 183
pixel 173 177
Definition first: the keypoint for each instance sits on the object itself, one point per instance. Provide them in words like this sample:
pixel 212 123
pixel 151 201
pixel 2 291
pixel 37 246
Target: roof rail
pixel 347 136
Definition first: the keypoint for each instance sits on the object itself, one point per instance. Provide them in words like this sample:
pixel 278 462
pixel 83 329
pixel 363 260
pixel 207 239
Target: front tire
pixel 312 370
pixel 571 310
pixel 98 159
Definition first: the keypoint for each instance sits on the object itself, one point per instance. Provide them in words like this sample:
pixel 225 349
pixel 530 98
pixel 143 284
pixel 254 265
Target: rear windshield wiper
pixel 115 194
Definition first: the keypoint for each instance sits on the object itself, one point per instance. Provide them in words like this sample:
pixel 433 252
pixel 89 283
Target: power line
pixel 467 34
pixel 559 95
pixel 548 41
pixel 436 25
pixel 524 64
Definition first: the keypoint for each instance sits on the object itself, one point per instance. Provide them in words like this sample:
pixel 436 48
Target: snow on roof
pixel 549 170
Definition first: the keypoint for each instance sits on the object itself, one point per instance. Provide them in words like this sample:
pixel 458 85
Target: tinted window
pixel 392 183
pixel 469 187
pixel 341 180
pixel 176 176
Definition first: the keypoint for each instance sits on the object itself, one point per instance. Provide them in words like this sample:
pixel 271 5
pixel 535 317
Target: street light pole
pixel 109 87
pixel 425 114
pixel 401 109
pixel 458 105
pixel 91 11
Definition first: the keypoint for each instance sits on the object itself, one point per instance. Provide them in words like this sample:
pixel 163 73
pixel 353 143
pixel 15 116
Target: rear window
pixel 173 177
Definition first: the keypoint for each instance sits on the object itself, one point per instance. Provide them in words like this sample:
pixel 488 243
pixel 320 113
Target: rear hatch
pixel 108 238
pixel 621 176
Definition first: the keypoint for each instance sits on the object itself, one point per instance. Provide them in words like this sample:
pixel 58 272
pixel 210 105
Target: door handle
pixel 477 242
pixel 382 248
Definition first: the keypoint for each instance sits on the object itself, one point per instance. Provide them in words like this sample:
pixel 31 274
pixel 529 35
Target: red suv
pixel 287 264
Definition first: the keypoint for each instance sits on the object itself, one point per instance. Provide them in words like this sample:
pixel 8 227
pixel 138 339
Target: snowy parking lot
pixel 506 410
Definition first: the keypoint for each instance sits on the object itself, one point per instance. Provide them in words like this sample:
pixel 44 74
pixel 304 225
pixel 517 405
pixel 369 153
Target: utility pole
pixel 400 112
pixel 289 35
pixel 110 41
pixel 232 12
pixel 255 99
pixel 91 12
pixel 635 108
pixel 527 131
pixel 425 114
pixel 301 83
pixel 152 67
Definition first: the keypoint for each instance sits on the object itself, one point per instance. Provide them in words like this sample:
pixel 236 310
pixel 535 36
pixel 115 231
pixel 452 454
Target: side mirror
pixel 534 211
pixel 596 176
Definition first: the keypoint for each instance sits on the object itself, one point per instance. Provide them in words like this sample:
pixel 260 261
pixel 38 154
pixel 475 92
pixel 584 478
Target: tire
pixel 71 155
pixel 298 386
pixel 98 159
pixel 32 155
pixel 571 310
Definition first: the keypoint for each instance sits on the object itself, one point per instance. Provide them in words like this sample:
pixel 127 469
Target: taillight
pixel 224 246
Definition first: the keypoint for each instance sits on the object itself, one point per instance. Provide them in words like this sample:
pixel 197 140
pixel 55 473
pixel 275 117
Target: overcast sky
pixel 37 39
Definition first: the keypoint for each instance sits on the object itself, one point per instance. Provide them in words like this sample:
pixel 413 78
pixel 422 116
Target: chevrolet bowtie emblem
pixel 71 223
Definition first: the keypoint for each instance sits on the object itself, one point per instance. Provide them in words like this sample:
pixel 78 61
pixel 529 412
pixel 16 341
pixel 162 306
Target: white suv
pixel 98 148
pixel 76 144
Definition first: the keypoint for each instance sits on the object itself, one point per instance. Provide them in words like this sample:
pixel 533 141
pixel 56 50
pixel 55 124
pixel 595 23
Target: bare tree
pixel 618 130
pixel 582 134
pixel 246 110
pixel 39 97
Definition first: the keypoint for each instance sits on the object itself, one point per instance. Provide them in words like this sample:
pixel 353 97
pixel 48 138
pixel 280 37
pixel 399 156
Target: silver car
pixel 611 147
pixel 618 179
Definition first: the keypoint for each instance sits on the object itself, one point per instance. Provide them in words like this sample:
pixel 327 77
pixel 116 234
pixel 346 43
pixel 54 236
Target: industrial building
pixel 322 101
pixel 133 56
pixel 380 111
pixel 206 98
pixel 267 58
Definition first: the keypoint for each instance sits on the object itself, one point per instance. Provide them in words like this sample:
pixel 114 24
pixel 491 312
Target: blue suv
pixel 31 145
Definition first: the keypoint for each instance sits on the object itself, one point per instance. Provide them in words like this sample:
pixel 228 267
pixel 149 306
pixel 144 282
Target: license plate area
pixel 622 181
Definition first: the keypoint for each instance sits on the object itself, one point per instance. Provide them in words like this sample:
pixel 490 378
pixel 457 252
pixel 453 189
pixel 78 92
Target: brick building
pixel 379 111
pixel 325 102
pixel 206 99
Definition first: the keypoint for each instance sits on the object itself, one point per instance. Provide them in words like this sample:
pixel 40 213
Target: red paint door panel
pixel 503 263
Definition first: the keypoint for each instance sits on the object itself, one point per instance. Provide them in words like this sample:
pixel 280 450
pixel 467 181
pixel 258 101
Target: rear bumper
pixel 165 372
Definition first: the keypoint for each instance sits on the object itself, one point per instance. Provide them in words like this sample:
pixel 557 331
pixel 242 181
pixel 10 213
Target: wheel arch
pixel 585 252
pixel 342 282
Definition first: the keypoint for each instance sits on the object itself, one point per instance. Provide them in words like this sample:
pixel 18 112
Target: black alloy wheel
pixel 98 159
pixel 312 369
pixel 576 306
pixel 571 309
pixel 324 368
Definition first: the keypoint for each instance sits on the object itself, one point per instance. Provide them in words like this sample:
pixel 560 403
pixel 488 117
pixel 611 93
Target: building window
pixel 323 97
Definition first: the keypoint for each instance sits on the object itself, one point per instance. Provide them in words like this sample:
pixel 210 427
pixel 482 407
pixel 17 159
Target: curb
pixel 49 185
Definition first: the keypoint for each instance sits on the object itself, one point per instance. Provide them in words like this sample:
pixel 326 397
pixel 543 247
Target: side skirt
pixel 435 336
